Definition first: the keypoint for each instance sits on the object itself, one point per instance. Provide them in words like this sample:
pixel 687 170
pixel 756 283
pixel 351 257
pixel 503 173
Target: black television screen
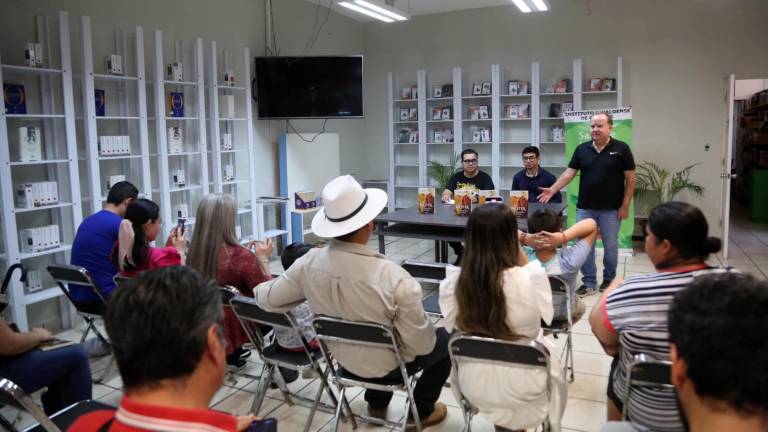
pixel 309 87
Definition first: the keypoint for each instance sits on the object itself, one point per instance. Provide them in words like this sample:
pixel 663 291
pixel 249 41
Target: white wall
pixel 676 56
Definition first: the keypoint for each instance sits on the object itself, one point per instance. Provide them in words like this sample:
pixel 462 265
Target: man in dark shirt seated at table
pixel 470 177
pixel 533 176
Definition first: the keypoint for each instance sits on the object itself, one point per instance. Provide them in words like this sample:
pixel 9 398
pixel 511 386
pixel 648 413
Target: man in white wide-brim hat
pixel 350 281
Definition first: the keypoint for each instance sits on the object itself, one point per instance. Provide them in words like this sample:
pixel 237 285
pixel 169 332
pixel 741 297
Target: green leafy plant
pixel 655 185
pixel 441 173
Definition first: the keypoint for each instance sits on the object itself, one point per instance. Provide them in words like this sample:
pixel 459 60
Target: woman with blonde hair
pixel 133 254
pixel 496 293
pixel 216 252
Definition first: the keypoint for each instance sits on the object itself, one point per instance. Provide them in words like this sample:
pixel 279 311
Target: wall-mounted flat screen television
pixel 309 87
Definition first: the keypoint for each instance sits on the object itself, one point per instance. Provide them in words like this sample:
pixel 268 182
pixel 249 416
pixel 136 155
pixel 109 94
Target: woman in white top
pixel 497 293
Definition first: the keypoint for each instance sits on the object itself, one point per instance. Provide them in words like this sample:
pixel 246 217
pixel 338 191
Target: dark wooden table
pixel 443 226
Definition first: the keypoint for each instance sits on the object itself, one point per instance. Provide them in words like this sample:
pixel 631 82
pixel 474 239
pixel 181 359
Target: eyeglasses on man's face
pixel 529 158
pixel 470 161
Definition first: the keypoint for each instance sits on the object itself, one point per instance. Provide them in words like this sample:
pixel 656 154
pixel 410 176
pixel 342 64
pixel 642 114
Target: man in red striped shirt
pixel 170 350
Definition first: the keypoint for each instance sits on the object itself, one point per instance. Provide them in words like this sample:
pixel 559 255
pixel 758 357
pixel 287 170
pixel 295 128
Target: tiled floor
pixel 586 395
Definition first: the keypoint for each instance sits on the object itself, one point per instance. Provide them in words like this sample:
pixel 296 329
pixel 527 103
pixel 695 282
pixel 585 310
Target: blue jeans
pixel 608 223
pixel 65 371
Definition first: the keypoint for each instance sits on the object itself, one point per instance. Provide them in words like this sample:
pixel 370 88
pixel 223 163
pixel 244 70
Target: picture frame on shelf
pixel 437 91
pixel 567 107
pixel 486 90
pixel 437 113
pixel 438 137
pixel 485 135
pixel 405 93
pixel 483 112
pixel 555 110
pixel 404 114
pixel 608 84
pixel 404 136
pixel 511 111
pixel 474 113
pixel 447 90
pixel 523 87
pixel 477 89
pixel 413 114
pixel 413 138
pixel 595 84
pixel 477 136
pixel 556 134
pixel 446 113
pixel 524 111
pixel 563 85
pixel 513 87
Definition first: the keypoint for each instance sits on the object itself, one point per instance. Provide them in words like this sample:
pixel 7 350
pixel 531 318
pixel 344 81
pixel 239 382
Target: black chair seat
pixel 343 373
pixel 277 354
pixel 64 418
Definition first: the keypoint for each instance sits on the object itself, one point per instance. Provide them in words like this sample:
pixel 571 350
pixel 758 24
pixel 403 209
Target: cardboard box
pixel 462 199
pixel 175 144
pixel 427 200
pixel 227 106
pixel 181 211
pixel 178 178
pixel 114 179
pixel 175 72
pixel 30 144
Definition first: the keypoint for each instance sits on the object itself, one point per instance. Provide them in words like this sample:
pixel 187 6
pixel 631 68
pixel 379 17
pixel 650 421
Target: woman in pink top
pixel 132 253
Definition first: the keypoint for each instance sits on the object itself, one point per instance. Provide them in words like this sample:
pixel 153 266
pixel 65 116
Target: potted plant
pixel 441 173
pixel 655 185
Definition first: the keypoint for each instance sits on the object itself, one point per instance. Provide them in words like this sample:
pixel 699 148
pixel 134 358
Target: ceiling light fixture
pixel 365 11
pixel 383 9
pixel 385 12
pixel 528 6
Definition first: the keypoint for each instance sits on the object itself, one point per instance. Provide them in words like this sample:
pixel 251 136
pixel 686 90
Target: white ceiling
pixel 421 7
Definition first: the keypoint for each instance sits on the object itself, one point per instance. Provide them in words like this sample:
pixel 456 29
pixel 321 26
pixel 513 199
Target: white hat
pixel 347 207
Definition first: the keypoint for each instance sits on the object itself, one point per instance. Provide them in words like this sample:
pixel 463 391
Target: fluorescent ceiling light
pixel 365 11
pixel 383 9
pixel 522 5
pixel 540 5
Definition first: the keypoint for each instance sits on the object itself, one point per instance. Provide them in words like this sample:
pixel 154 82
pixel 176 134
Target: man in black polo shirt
pixel 470 177
pixel 605 193
pixel 533 176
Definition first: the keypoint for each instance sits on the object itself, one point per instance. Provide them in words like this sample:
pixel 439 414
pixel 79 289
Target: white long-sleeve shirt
pixel 352 282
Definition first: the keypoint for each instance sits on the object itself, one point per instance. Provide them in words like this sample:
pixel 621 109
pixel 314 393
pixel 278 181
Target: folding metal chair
pixel 120 280
pixel 368 335
pixel 63 275
pixel 560 290
pixel 13 396
pixel 7 280
pixel 274 357
pixel 646 372
pixel 429 276
pixel 524 353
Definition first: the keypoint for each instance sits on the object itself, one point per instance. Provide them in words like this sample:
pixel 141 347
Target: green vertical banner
pixel 577 132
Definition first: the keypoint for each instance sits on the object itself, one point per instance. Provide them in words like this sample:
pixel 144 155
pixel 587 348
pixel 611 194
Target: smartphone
pixel 263 425
pixel 180 227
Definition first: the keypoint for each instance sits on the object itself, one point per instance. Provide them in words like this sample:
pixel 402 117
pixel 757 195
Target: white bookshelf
pixel 501 156
pixel 239 127
pixel 50 106
pixel 193 158
pixel 125 114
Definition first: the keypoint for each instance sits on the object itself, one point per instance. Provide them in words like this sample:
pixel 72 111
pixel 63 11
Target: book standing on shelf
pixel 486 90
pixel 518 200
pixel 437 91
pixel 483 112
pixel 30 145
pixel 100 102
pixel 513 87
pixel 609 84
pixel 555 110
pixel 474 113
pixel 413 114
pixel 477 89
pixel 446 113
pixel 567 107
pixel 176 104
pixel 15 98
pixel 426 200
pixel 447 90
pixel 403 114
pixel 595 84
pixel 563 86
pixel 437 113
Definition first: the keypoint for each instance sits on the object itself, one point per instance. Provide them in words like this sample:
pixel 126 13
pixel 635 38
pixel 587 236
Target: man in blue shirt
pixel 533 176
pixel 95 238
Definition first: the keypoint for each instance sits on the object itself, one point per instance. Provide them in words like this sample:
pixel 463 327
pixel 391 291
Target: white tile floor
pixel 586 396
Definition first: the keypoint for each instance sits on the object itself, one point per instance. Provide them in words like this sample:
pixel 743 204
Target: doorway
pixel 747 247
